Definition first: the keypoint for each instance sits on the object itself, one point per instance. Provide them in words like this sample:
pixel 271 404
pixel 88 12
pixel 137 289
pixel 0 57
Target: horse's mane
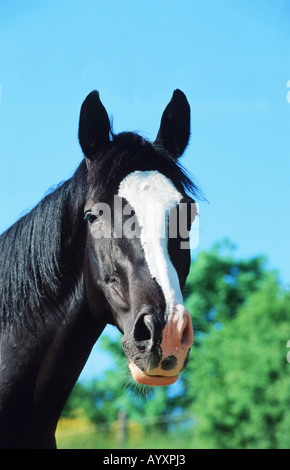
pixel 39 261
pixel 36 262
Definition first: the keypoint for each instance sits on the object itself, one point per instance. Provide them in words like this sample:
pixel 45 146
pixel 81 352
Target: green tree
pixel 217 285
pixel 240 382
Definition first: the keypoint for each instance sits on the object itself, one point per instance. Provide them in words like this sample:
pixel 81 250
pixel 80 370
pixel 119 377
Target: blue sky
pixel 230 57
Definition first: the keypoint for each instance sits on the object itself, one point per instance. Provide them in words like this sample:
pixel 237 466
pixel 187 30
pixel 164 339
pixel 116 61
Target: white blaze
pixel 152 196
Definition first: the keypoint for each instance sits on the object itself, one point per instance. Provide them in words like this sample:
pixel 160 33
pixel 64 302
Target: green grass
pixel 148 441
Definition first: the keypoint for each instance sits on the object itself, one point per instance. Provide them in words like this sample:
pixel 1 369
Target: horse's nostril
pixel 143 331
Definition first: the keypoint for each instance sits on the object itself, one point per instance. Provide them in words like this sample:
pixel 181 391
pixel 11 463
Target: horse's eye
pixel 90 217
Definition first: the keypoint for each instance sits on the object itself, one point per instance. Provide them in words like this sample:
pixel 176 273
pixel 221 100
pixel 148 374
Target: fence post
pixel 122 429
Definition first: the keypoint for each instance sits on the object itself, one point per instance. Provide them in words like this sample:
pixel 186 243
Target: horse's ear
pixel 94 125
pixel 174 129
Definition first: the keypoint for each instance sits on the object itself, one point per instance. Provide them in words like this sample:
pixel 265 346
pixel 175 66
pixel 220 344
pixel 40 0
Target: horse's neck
pixel 37 373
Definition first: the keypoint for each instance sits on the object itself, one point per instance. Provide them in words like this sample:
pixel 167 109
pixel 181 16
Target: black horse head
pixel 137 193
pixel 63 278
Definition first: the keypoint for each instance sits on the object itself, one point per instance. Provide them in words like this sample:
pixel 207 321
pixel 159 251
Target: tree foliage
pixel 237 383
pixel 240 387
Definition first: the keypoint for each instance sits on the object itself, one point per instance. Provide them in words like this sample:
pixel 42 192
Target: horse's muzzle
pixel 174 346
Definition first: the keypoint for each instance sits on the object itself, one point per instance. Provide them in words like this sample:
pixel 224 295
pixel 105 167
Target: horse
pixel 83 258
